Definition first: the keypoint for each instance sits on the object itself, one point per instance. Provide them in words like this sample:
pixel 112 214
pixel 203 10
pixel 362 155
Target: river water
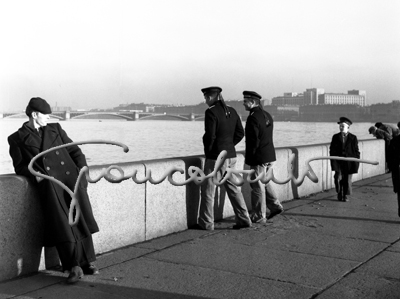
pixel 156 139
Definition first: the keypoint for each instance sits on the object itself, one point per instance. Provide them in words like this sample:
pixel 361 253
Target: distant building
pixel 123 105
pixel 311 95
pixel 271 109
pixel 352 98
pixel 317 96
pixel 150 108
pixel 289 99
pixel 180 110
pixel 359 92
pixel 267 102
pixel 132 106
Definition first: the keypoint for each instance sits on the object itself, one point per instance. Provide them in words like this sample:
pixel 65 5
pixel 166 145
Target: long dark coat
pixel 259 137
pixel 64 165
pixel 221 132
pixel 394 162
pixel 348 150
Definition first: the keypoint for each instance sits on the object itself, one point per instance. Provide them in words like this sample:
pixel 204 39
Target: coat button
pixel 48 168
pixel 57 153
pixel 62 162
pixel 67 173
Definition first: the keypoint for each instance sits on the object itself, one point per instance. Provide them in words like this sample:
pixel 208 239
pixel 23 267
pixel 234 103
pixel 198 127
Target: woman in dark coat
pixel 393 164
pixel 344 144
pixel 74 244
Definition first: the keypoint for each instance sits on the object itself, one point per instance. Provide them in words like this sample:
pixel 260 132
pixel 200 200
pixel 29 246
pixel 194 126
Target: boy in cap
pixel 223 130
pixel 74 244
pixel 260 156
pixel 344 144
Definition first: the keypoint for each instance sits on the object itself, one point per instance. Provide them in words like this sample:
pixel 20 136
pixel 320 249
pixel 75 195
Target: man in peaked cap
pixel 260 156
pixel 344 144
pixel 223 130
pixel 74 244
pixel 208 90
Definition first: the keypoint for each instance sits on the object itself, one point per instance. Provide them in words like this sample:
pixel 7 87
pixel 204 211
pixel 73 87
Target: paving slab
pixel 377 209
pixel 380 180
pixel 121 255
pixel 298 268
pixel 298 236
pixel 363 285
pixel 250 236
pixel 28 284
pixel 395 247
pixel 386 264
pixel 182 279
pixel 146 278
pixel 380 231
pixel 305 241
pixel 173 239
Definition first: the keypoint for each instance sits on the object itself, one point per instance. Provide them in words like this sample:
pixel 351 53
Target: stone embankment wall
pixel 129 213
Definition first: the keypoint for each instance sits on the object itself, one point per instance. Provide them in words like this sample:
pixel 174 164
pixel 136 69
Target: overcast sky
pixel 102 53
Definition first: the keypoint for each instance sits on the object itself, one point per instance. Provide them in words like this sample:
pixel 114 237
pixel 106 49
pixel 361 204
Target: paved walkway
pixel 319 248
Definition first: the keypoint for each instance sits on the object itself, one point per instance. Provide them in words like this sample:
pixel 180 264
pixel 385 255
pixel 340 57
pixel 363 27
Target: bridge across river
pixel 129 116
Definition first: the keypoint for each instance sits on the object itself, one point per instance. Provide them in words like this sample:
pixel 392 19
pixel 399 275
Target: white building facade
pixel 354 98
pixel 317 96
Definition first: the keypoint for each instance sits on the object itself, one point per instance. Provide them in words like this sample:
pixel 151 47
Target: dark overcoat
pixel 221 132
pixel 390 129
pixel 64 165
pixel 394 162
pixel 348 150
pixel 259 137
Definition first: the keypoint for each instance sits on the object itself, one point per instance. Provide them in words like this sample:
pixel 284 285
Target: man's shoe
pixel 345 198
pixel 75 274
pixel 261 220
pixel 199 227
pixel 239 226
pixel 339 197
pixel 274 213
pixel 90 270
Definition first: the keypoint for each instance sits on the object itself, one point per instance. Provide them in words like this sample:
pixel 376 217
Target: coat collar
pixel 255 108
pixel 28 136
pixel 217 103
pixel 348 134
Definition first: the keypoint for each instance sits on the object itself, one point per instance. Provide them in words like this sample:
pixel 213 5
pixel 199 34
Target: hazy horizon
pixel 100 54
